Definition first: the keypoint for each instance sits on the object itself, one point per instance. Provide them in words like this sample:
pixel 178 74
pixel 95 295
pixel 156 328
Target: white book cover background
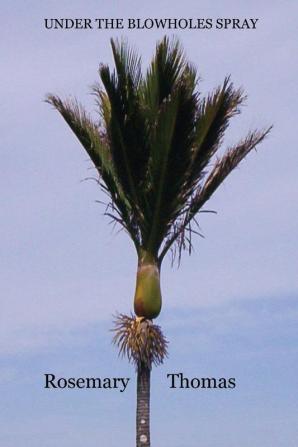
pixel 229 310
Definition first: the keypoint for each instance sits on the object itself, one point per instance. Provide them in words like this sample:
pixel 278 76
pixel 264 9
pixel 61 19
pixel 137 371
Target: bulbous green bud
pixel 147 300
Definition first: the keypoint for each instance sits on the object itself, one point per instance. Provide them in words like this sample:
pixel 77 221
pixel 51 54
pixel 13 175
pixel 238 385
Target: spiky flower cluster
pixel 141 341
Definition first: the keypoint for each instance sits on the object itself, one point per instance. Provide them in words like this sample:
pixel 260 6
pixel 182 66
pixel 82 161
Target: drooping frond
pixel 85 130
pixel 96 145
pixel 141 341
pixel 223 167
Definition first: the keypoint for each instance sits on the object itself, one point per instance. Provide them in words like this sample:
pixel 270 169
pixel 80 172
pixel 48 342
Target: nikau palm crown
pixel 154 149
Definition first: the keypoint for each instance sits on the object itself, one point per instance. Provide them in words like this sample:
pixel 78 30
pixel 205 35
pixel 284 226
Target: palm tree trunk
pixel 143 406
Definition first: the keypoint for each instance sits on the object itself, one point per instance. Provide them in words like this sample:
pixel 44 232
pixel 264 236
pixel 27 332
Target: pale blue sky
pixel 231 309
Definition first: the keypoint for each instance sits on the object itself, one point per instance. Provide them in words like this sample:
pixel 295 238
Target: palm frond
pixel 128 65
pixel 125 123
pixel 171 149
pixel 103 104
pixel 214 115
pixel 223 167
pixel 85 130
pixel 96 145
pixel 165 69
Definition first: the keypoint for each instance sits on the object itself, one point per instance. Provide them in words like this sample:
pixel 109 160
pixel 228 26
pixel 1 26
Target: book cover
pixel 149 196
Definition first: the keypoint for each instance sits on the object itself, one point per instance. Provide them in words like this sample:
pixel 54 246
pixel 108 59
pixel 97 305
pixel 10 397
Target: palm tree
pixel 154 149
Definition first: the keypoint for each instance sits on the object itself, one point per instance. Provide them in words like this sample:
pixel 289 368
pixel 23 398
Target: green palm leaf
pixel 126 124
pixel 214 114
pixel 95 143
pixel 223 167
